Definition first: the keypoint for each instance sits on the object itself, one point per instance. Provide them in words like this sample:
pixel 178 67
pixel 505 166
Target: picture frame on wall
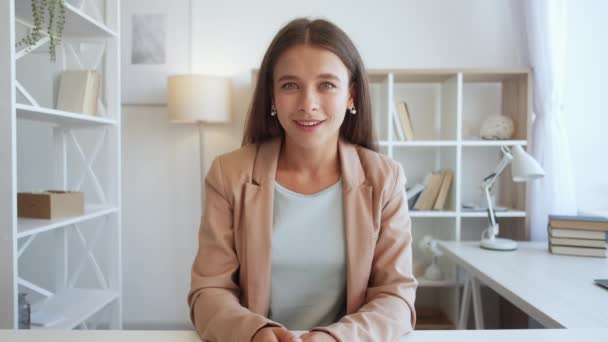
pixel 154 45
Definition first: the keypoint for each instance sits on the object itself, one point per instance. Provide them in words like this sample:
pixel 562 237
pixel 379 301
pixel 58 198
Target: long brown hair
pixel 356 129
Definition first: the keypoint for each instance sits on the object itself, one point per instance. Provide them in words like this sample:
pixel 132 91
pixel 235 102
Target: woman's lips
pixel 309 125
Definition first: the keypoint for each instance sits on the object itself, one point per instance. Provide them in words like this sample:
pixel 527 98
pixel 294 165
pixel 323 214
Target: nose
pixel 309 101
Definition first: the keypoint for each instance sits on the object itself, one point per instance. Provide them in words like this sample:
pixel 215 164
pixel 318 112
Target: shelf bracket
pixel 26 51
pixel 34 287
pixel 26 244
pixel 26 94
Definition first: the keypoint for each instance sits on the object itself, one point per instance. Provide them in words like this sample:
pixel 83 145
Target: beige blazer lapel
pixel 358 226
pixel 257 224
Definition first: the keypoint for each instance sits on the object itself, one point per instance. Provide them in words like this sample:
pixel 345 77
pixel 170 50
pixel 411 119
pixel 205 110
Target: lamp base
pixel 498 244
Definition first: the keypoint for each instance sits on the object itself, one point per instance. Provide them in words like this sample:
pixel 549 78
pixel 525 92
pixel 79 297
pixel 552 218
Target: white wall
pixel 161 180
pixel 161 208
pixel 585 101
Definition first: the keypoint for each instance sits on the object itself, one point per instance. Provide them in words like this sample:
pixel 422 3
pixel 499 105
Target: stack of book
pixel 578 235
pixel 433 193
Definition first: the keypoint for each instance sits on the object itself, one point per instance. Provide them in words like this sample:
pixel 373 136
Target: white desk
pixel 556 290
pixel 553 335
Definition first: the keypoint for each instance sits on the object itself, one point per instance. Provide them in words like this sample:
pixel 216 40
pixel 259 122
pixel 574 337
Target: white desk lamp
pixel 523 168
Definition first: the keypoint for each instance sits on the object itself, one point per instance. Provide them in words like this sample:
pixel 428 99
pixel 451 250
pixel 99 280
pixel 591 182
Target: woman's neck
pixel 313 162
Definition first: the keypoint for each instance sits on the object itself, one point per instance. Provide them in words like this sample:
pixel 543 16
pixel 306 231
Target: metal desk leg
pixel 477 305
pixel 471 284
pixel 464 304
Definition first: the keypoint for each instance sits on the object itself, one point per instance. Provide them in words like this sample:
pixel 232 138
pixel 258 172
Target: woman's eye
pixel 289 86
pixel 327 85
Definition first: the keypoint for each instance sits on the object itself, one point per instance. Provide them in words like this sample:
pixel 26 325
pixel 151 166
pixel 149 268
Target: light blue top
pixel 308 278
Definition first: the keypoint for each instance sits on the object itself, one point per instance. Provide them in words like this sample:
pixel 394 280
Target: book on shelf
pixel 397 125
pixel 432 186
pixel 435 190
pixel 413 193
pixel 405 120
pixel 79 91
pixel 596 223
pixel 411 203
pixel 446 183
pixel 414 190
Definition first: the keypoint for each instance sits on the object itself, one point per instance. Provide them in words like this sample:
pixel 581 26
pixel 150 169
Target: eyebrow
pixel 325 76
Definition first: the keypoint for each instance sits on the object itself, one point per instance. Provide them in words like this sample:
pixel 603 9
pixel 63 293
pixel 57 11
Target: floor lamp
pixel 199 99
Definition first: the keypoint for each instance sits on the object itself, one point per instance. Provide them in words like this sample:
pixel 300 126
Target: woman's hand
pixel 274 334
pixel 317 336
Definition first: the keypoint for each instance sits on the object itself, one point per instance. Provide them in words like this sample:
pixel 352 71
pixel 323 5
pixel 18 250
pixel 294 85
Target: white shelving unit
pixel 447 107
pixel 70 267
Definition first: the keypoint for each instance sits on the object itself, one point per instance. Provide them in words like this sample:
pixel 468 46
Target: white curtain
pixel 555 193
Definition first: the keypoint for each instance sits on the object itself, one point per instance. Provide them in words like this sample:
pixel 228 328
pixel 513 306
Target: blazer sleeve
pixel 215 309
pixel 389 310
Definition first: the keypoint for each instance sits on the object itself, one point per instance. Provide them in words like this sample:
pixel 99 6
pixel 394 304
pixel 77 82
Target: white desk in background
pixel 535 335
pixel 556 290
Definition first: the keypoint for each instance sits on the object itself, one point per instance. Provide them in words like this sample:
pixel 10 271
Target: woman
pixel 306 227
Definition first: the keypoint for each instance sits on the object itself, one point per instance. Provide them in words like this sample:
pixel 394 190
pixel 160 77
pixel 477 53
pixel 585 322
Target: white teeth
pixel 309 123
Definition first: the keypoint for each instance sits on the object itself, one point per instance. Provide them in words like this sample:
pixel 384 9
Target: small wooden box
pixel 50 204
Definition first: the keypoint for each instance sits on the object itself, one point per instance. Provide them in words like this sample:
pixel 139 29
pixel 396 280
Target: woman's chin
pixel 309 142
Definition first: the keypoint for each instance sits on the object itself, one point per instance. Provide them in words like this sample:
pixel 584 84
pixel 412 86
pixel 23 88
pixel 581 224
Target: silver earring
pixel 273 111
pixel 353 111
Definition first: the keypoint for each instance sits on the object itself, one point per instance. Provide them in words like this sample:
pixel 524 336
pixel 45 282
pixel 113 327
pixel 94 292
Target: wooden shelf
pixel 413 75
pixel 490 75
pixel 59 117
pixel 27 226
pixel 73 305
pixel 77 23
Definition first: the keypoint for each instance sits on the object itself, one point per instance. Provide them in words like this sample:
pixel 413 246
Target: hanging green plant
pixel 54 29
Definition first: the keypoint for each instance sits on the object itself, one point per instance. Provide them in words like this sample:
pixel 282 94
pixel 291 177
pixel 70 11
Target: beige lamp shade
pixel 199 98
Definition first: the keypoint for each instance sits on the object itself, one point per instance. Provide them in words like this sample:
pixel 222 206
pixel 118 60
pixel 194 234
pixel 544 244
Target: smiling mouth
pixel 309 123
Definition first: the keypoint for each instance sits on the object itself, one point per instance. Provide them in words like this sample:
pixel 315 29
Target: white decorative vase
pixel 433 272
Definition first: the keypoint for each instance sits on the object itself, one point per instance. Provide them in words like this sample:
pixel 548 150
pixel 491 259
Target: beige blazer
pixel 230 290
